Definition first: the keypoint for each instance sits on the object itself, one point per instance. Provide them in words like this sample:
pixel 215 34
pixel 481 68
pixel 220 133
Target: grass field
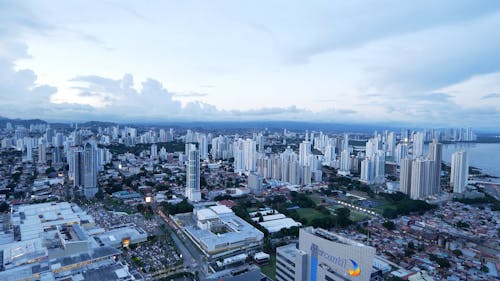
pixel 358 216
pixel 355 215
pixel 383 204
pixel 309 214
pixel 270 269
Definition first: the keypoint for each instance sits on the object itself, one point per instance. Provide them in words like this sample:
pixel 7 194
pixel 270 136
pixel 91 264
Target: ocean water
pixel 485 156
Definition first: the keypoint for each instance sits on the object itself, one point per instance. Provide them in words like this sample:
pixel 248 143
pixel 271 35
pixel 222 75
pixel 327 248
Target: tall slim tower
pixel 422 176
pixel 154 151
pixel 405 176
pixel 193 174
pixel 345 163
pixel 436 155
pixel 84 169
pixel 304 152
pixel 367 171
pixel 29 150
pixel 379 160
pixel 250 150
pixel 418 144
pixel 391 145
pixel 78 167
pixel 42 153
pixel 459 171
pixel 345 144
pixel 90 170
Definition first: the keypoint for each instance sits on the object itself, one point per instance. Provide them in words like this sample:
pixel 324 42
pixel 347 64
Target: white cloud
pixel 427 62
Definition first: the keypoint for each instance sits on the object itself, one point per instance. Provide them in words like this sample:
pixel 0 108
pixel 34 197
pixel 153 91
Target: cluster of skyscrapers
pixel 420 176
pixel 83 168
pixel 373 166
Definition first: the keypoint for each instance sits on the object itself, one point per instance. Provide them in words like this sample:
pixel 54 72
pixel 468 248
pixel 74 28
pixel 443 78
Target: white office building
pixel 459 171
pixel 324 256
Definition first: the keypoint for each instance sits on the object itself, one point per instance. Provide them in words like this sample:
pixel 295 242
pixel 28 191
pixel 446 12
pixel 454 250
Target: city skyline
pixel 140 202
pixel 426 63
pixel 267 140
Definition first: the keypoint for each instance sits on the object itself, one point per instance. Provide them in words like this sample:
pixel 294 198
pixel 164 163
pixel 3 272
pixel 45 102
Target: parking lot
pixel 153 256
pixel 158 254
pixel 109 220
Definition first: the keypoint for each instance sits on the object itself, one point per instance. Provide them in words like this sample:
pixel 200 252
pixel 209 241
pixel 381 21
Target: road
pixel 193 259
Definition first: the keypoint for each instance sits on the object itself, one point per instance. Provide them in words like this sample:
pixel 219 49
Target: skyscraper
pixel 202 145
pixel 436 155
pixel 391 145
pixel 418 144
pixel 422 178
pixel 255 183
pixel 379 160
pixel 42 153
pixel 261 140
pixel 345 143
pixel 193 174
pixel 329 155
pixel 459 171
pixel 367 171
pixel 405 176
pixel 401 152
pixel 154 151
pixel 304 152
pixel 84 166
pixel 90 170
pixel 29 150
pixel 345 163
pixel 370 148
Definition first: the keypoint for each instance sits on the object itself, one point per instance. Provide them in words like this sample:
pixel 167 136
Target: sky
pixel 429 63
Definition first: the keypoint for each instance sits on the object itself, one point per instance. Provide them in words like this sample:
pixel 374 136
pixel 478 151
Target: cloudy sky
pixel 416 62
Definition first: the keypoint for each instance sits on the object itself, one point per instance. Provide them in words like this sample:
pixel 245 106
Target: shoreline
pixel 474 170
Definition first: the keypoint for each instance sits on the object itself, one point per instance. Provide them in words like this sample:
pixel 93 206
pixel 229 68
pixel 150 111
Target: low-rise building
pixel 217 231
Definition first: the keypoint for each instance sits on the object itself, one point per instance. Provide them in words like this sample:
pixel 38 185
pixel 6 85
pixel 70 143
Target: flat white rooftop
pixel 34 219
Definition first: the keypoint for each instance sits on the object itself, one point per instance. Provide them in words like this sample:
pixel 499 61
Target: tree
pixel 324 222
pixel 442 262
pixel 4 207
pixel 302 200
pixel 343 216
pixel 390 213
pixel 343 212
pixel 409 252
pixel 261 218
pixel 389 225
pixel 49 170
pixel 99 195
pixel 182 207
